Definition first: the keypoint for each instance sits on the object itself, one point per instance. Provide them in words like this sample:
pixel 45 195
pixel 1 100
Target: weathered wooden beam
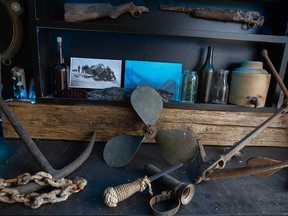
pixel 76 122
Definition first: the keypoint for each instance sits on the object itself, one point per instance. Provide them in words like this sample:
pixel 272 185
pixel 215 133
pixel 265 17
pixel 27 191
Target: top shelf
pixel 165 31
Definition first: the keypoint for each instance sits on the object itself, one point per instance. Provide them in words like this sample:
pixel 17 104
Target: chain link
pixel 64 188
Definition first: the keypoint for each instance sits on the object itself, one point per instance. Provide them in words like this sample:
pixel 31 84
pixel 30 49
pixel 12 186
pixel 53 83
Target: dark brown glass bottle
pixel 206 73
pixel 60 71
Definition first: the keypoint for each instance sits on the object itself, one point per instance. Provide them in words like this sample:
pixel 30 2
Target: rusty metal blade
pixel 271 165
pixel 147 103
pixel 258 167
pixel 121 149
pixel 176 145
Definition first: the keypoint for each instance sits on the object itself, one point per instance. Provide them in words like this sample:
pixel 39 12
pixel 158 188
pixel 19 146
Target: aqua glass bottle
pixel 189 86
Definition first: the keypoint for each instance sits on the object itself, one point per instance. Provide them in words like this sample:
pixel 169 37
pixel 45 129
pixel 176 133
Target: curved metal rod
pixel 20 130
pixel 264 53
pixel 67 170
pixel 37 154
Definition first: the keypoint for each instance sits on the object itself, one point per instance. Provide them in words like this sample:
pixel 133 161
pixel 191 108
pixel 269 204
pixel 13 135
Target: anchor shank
pixel 32 147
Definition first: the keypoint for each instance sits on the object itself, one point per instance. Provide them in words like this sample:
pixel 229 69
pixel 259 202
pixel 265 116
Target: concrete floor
pixel 240 196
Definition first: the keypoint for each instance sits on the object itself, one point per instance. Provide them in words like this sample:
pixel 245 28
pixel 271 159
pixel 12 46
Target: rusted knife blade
pixel 258 167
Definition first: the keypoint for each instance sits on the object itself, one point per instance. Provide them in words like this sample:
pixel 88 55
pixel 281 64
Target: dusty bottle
pixel 206 73
pixel 220 89
pixel 60 71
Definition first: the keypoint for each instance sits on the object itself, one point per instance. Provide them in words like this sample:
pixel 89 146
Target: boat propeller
pixel 176 145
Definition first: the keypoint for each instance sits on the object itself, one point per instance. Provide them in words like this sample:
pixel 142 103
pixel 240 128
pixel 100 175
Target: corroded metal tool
pixel 37 154
pixel 258 167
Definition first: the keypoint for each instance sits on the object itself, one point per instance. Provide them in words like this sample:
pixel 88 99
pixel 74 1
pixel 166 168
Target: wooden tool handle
pixel 274 72
pixel 113 195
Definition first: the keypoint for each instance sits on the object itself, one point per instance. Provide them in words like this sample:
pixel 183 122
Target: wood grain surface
pixel 77 122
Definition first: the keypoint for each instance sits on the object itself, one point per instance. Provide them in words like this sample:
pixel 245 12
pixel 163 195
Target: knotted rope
pixel 113 195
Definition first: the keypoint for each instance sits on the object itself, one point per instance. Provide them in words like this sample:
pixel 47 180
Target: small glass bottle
pixel 189 86
pixel 220 88
pixel 19 82
pixel 60 71
pixel 206 73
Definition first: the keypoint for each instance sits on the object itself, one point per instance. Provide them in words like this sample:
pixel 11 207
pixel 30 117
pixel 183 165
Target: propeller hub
pixel 149 131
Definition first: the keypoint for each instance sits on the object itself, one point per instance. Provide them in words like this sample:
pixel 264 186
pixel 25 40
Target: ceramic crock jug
pixel 249 85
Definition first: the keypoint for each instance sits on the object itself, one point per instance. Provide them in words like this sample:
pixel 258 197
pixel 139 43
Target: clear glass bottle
pixel 60 71
pixel 220 88
pixel 189 86
pixel 206 73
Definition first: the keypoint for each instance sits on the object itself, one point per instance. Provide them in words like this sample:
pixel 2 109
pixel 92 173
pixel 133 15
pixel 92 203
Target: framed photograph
pixel 91 73
pixel 158 75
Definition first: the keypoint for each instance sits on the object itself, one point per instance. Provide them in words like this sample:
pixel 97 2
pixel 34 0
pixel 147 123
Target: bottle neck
pixel 222 75
pixel 209 59
pixel 60 54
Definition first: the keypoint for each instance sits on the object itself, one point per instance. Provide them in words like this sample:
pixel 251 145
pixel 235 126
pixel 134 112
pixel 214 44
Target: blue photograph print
pixel 158 75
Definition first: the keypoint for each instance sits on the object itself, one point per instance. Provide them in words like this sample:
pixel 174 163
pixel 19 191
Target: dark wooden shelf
pixel 168 105
pixel 165 31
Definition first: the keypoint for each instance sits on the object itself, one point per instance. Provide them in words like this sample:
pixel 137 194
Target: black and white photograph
pixel 92 73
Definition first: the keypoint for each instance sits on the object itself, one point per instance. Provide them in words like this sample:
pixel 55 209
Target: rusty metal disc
pixel 147 103
pixel 121 149
pixel 176 145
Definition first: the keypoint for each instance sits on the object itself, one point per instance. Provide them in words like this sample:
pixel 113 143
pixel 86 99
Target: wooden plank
pixel 77 122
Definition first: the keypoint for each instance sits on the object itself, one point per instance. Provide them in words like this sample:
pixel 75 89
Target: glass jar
pixel 220 88
pixel 189 86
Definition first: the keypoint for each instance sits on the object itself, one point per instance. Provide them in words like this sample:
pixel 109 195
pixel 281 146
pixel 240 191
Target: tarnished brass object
pixel 15 11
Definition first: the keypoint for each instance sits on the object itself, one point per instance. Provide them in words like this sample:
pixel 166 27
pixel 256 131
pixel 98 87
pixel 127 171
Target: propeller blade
pixel 269 166
pixel 121 149
pixel 177 146
pixel 147 103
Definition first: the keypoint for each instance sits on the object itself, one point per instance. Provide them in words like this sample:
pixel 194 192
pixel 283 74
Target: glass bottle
pixel 189 86
pixel 206 73
pixel 60 71
pixel 220 89
pixel 19 83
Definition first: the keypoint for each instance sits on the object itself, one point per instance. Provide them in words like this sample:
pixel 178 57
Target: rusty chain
pixel 64 188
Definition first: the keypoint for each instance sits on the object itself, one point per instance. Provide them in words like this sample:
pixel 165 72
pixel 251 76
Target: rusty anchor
pixel 37 154
pixel 257 167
